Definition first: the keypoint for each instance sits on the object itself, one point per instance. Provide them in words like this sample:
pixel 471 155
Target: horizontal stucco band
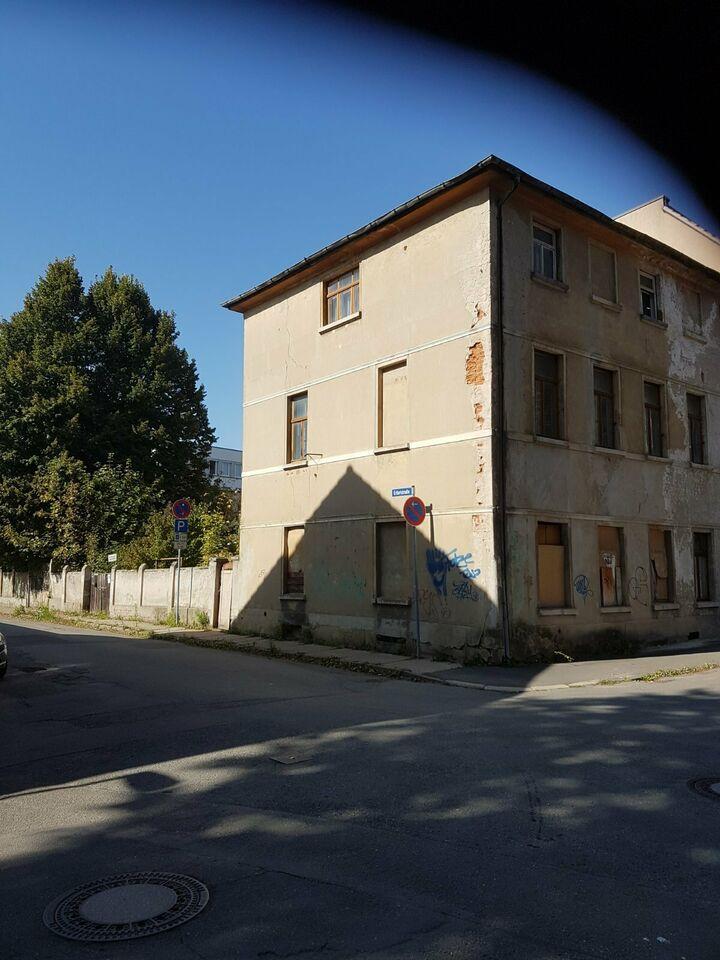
pixel 471 511
pixel 381 361
pixel 601 358
pixel 362 454
pixel 616 520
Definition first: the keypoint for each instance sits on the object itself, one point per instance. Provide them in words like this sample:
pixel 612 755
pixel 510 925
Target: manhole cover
pixel 127 906
pixel 706 787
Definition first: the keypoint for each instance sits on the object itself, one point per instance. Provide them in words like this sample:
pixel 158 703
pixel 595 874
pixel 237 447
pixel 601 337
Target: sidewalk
pixel 538 677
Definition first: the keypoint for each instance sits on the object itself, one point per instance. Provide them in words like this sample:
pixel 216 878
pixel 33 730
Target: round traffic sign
pixel 181 509
pixel 414 511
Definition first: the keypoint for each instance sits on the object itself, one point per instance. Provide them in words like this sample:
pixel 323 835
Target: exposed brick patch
pixel 479 418
pixel 474 364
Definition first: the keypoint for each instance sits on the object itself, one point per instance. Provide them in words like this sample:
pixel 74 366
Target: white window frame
pixel 657 312
pixel 558 259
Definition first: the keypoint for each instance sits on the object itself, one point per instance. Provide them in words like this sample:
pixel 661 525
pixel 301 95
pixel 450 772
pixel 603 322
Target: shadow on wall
pixel 346 577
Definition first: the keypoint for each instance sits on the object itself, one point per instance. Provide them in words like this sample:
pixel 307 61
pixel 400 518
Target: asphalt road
pixel 335 815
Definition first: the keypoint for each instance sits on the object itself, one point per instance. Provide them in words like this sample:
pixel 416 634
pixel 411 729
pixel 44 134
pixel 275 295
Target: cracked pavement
pixel 336 815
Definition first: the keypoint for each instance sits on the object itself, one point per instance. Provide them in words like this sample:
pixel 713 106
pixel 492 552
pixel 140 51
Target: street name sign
pixel 403 491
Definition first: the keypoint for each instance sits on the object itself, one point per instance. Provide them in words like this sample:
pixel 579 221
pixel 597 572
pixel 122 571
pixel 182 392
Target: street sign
pixel 181 509
pixel 182 526
pixel 112 558
pixel 181 541
pixel 414 511
pixel 403 491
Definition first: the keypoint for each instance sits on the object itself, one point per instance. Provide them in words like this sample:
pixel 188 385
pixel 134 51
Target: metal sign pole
pixel 417 603
pixel 177 590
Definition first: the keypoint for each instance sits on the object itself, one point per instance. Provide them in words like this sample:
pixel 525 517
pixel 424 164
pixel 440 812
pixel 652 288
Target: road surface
pixel 337 815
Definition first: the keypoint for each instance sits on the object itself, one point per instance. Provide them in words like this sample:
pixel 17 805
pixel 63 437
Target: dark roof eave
pixel 490 162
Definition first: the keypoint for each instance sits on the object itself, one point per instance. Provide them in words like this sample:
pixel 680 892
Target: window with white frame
pixel 546 251
pixel 649 297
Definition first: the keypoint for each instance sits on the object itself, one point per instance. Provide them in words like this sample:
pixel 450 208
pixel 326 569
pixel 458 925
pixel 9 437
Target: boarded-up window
pixel 293 567
pixel 693 309
pixel 653 419
pixel 391 561
pixel 661 565
pixel 602 273
pixel 393 406
pixel 610 556
pixel 604 385
pixel 701 558
pixel 696 423
pixel 552 564
pixel 548 380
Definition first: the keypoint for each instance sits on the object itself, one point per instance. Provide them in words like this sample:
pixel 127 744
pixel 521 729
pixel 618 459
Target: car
pixel 3 657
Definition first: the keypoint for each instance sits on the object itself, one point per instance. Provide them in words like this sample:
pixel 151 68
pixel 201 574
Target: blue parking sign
pixel 182 526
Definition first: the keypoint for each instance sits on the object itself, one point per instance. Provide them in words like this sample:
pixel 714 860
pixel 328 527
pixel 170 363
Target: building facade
pixel 225 467
pixel 548 381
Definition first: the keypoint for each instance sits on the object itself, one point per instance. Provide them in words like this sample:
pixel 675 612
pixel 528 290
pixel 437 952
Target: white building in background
pixel 225 465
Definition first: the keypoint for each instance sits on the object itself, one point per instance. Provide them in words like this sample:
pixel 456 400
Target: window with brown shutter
pixel 552 564
pixel 393 414
pixel 661 565
pixel 602 274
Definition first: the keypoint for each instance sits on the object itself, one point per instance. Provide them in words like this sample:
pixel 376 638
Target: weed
pixel 202 620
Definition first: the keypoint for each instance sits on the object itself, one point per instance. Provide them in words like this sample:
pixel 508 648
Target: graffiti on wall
pixel 439 564
pixel 582 586
pixel 464 590
pixel 638 586
pixel 433 605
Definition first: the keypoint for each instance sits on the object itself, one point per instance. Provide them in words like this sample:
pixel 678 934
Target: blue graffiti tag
pixel 582 586
pixel 439 563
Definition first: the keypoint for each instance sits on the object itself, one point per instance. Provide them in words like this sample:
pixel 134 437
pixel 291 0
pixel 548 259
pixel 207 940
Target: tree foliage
pixel 102 418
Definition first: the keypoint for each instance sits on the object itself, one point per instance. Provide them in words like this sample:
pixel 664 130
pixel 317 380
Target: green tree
pixel 102 418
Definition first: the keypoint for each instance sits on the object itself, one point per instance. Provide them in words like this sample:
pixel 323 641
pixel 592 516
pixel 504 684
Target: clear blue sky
pixel 203 147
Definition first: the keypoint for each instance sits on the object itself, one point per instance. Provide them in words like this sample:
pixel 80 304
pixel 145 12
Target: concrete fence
pixel 145 593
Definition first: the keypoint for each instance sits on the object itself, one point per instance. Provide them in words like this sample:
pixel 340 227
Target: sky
pixel 204 147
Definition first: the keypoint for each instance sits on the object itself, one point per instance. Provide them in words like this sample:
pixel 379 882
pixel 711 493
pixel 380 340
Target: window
pixel 293 565
pixel 610 555
pixel 602 274
pixel 297 427
pixel 552 564
pixel 393 416
pixel 548 380
pixel 701 557
pixel 604 385
pixel 661 565
pixel 648 297
pixel 696 423
pixel 653 419
pixel 342 296
pixel 693 310
pixel 546 252
pixel 391 561
pixel 212 469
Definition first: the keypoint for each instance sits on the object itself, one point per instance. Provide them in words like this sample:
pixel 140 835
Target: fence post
pixel 64 587
pixel 140 584
pixel 85 574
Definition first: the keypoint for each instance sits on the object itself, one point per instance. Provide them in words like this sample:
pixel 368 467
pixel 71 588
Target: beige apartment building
pixel 548 381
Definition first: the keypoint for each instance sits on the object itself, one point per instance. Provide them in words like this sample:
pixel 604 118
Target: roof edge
pixel 490 162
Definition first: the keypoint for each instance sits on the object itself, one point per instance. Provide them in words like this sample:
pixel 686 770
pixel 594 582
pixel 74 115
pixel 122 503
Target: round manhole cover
pixel 706 786
pixel 127 906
